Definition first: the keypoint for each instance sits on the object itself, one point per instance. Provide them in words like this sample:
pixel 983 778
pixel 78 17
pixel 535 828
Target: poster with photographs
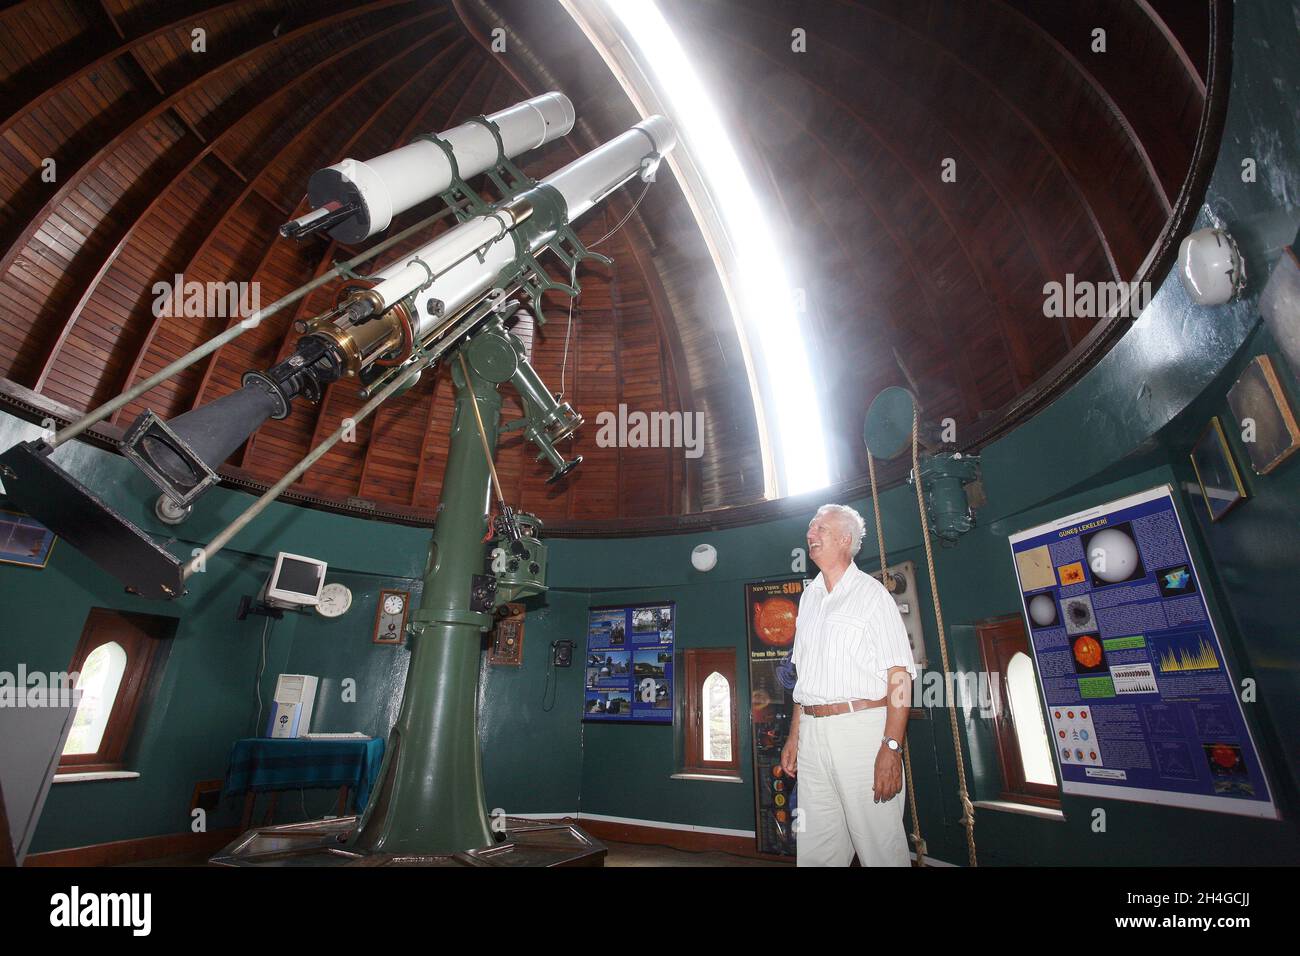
pixel 628 671
pixel 771 612
pixel 1140 703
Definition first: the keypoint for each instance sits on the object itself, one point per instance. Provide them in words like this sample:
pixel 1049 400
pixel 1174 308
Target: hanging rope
pixel 482 432
pixel 917 840
pixel 967 808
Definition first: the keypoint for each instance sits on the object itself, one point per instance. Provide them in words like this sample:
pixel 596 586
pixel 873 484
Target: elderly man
pixel 852 698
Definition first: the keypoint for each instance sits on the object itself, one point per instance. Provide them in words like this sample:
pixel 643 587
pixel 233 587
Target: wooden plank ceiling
pixel 170 161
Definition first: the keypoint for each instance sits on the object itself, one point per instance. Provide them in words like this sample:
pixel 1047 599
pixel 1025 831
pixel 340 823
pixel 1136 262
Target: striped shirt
pixel 846 640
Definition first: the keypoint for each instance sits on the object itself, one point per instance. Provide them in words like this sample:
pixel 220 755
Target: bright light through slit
pixel 765 293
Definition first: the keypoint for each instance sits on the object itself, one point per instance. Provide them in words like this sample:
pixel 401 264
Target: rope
pixel 482 432
pixel 917 839
pixel 967 808
pixel 906 749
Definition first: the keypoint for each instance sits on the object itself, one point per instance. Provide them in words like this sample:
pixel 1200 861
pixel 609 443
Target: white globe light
pixel 1211 267
pixel 704 557
pixel 1042 610
pixel 1112 555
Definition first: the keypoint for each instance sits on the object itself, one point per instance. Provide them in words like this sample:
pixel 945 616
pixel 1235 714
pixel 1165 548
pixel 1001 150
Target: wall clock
pixel 335 599
pixel 390 616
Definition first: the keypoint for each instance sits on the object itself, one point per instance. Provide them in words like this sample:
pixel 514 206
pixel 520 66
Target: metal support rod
pixel 207 348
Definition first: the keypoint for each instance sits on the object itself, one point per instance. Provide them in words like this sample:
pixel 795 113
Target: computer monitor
pixel 295 581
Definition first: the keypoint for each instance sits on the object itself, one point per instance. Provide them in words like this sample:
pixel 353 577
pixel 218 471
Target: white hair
pixel 853 524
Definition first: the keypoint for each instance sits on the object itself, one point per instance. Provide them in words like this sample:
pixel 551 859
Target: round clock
pixel 393 604
pixel 335 599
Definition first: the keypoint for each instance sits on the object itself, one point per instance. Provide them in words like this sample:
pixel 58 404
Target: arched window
pixel 99 683
pixel 1024 748
pixel 711 735
pixel 1031 731
pixel 116 661
pixel 717 718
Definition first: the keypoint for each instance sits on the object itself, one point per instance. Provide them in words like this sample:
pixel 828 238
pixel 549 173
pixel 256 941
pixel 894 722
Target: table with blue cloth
pixel 270 765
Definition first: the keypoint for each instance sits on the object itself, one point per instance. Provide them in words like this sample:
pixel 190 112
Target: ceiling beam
pixel 96 60
pixel 110 143
pixel 133 220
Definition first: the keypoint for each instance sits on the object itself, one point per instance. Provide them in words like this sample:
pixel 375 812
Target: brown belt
pixel 843 707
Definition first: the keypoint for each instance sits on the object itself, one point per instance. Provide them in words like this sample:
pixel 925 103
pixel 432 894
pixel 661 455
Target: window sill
pixel 1026 809
pixel 711 777
pixel 75 777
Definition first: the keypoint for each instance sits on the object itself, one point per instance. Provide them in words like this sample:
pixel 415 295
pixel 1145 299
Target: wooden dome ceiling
pixel 167 161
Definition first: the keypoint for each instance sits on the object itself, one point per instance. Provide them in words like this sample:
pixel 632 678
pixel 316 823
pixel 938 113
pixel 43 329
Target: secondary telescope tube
pixel 461 277
pixel 355 199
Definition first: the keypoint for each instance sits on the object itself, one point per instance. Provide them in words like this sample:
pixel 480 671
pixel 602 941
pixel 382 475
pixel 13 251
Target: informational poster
pixel 771 609
pixel 1140 704
pixel 629 666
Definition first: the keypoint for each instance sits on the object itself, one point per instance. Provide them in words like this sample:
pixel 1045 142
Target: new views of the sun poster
pixel 771 610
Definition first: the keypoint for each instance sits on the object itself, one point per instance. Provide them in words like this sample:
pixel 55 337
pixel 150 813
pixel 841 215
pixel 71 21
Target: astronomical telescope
pixel 452 296
pixel 384 328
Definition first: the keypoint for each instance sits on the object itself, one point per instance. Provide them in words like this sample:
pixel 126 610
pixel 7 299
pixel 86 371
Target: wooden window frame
pixel 141 637
pixel 697 664
pixel 1000 639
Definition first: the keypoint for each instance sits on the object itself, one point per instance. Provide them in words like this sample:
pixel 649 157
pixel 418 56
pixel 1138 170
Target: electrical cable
pixel 546 688
pixel 261 668
pixel 564 363
pixel 623 222
pixel 573 274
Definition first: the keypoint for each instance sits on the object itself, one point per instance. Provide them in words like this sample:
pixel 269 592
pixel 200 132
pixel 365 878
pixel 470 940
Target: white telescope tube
pixel 393 182
pixel 453 259
pixel 591 177
pixel 448 249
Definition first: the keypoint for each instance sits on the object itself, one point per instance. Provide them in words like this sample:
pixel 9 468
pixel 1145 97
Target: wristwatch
pixel 893 744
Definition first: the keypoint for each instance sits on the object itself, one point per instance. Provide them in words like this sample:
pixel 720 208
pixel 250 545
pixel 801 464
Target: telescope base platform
pixel 526 843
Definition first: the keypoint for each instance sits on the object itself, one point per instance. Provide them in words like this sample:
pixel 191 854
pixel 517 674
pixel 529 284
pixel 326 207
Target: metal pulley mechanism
pixel 888 433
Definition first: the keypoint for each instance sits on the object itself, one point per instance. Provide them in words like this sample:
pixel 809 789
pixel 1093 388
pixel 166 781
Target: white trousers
pixel 838 814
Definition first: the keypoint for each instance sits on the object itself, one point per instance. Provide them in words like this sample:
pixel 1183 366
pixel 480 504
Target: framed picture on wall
pixel 629 666
pixel 24 540
pixel 1263 412
pixel 1216 472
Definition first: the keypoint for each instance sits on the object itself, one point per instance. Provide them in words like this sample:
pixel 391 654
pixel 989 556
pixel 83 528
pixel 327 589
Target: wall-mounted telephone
pixel 562 653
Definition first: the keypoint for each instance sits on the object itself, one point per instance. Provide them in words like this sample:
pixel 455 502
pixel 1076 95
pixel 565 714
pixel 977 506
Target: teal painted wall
pixel 1255 549
pixel 1125 426
pixel 205 699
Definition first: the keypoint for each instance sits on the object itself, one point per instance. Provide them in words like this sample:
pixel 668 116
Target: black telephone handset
pixel 562 653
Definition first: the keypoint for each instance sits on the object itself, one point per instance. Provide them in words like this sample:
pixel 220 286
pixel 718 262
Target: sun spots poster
pixel 1139 701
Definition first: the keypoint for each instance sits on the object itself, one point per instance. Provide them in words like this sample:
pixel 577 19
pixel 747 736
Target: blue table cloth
pixel 264 763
